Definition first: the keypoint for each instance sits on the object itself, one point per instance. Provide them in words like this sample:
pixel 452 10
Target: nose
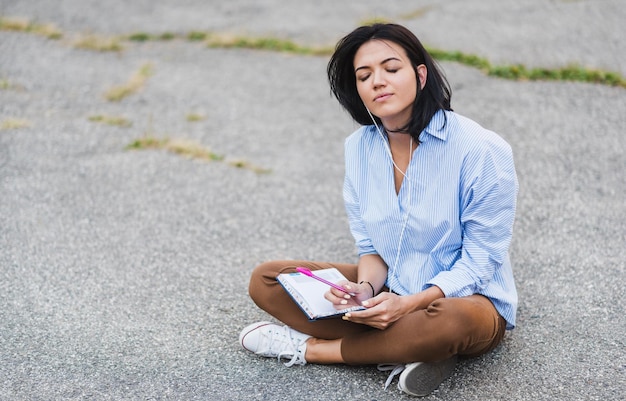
pixel 378 79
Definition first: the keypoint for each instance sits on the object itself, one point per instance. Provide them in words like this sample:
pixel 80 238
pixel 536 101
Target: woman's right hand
pixel 341 300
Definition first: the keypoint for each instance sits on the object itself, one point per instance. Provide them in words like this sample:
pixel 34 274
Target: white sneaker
pixel 421 378
pixel 274 341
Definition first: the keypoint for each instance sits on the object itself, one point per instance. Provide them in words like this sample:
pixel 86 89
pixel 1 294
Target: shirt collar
pixel 436 126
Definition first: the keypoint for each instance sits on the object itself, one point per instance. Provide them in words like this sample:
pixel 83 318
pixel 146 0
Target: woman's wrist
pixel 422 299
pixel 370 286
pixel 372 273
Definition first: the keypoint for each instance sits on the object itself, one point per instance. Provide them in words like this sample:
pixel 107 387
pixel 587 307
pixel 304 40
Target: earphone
pixel 406 178
pixel 387 145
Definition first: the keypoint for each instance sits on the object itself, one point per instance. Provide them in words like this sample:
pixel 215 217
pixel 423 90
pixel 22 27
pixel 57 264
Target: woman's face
pixel 387 82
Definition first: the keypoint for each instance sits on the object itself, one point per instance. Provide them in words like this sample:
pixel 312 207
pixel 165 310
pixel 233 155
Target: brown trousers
pixel 468 326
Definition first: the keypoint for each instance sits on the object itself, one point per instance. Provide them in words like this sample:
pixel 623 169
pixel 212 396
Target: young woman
pixel 430 197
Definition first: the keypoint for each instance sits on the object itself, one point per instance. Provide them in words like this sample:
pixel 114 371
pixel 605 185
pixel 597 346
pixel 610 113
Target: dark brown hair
pixel 434 96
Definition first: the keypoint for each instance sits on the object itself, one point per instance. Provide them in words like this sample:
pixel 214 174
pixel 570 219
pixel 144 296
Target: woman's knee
pixel 258 279
pixel 467 325
pixel 263 279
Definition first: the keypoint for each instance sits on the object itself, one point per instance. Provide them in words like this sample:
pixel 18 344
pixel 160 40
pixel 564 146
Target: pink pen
pixel 309 273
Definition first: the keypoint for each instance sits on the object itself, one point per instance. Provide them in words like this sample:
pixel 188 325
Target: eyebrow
pixel 381 63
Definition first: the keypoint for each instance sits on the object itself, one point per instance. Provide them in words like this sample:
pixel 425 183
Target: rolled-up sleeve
pixel 488 196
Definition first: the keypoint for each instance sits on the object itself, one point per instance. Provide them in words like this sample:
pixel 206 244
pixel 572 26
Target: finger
pixel 357 319
pixel 340 294
pixel 361 315
pixel 330 296
pixel 377 300
pixel 339 300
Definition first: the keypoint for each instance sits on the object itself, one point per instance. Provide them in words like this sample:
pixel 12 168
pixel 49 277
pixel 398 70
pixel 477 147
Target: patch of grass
pixel 570 73
pixel 522 73
pixel 248 166
pixel 140 37
pixel 49 31
pixel 99 43
pixel 136 82
pixel 418 13
pixel 195 117
pixel 167 36
pixel 197 36
pixel 25 25
pixel 14 123
pixel 181 147
pixel 375 20
pixel 5 84
pixel 147 142
pixel 15 24
pixel 265 43
pixel 516 72
pixel 146 37
pixel 111 120
pixel 462 58
pixel 191 150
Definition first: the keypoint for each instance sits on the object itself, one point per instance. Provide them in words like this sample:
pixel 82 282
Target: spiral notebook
pixel 308 293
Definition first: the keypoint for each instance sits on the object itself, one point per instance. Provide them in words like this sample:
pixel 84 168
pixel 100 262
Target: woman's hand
pixel 382 310
pixel 386 308
pixel 341 300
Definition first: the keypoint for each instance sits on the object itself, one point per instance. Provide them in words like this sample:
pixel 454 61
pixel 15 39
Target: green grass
pixel 111 120
pixel 166 36
pixel 266 43
pixel 14 123
pixel 462 58
pixel 513 72
pixel 5 84
pixel 146 37
pixel 191 150
pixel 136 82
pixel 374 20
pixel 99 43
pixel 180 147
pixel 197 36
pixel 417 13
pixel 569 73
pixel 25 25
pixel 248 166
pixel 140 37
pixel 195 117
pixel 520 72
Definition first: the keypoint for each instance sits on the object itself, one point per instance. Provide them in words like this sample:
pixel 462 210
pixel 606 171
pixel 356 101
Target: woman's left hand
pixel 382 311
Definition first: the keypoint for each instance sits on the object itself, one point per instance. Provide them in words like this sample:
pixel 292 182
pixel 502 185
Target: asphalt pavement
pixel 123 272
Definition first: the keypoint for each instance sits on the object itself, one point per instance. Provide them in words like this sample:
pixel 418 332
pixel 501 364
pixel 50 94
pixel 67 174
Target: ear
pixel 422 74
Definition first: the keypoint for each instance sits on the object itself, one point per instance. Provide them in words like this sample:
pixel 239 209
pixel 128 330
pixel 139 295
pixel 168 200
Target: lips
pixel 382 97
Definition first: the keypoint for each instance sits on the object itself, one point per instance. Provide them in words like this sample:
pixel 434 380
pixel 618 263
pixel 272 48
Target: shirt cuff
pixel 453 285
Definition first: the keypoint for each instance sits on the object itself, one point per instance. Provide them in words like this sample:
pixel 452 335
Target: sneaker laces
pixel 395 369
pixel 293 347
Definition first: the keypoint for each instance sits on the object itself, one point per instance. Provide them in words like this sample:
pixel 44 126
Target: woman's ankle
pixel 322 351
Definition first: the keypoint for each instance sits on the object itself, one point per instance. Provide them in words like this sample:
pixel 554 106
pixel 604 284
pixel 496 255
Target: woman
pixel 430 197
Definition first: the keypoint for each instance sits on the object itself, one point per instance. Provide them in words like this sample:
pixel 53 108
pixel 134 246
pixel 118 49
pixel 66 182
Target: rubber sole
pixel 421 378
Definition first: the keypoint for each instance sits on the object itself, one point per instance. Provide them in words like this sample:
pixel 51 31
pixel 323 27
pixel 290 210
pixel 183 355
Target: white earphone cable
pixel 409 189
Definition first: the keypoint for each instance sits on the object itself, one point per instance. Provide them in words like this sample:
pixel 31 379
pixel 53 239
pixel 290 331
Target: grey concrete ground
pixel 123 274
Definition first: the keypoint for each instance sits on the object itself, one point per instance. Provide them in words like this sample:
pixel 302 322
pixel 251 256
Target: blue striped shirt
pixel 460 195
